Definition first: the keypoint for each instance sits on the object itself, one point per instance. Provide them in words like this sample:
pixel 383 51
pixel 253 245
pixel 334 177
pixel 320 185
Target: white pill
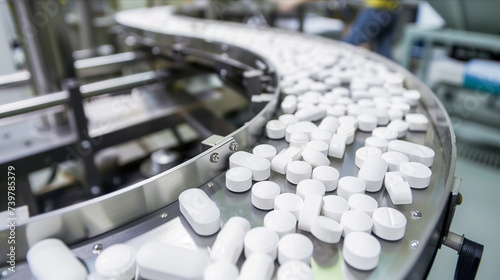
pixel 260 167
pixel 295 247
pixel 116 262
pixel 327 175
pixel 415 152
pixel 372 172
pixel 417 122
pixel 401 127
pixel 344 101
pixel 299 140
pixel 361 250
pixel 377 143
pixel 399 190
pixel 280 161
pixel 389 223
pixel 341 91
pixel 275 129
pixel 51 259
pixel 319 146
pixel 314 157
pixel 221 270
pixel 395 114
pixel 416 174
pixel 321 135
pixel 265 150
pixel 385 133
pixel 310 210
pixel 412 97
pixel 337 146
pixel 288 119
pixel 280 221
pixel 332 82
pixel 239 179
pixel 354 221
pixel 304 104
pixel 297 171
pixel 288 106
pixel 261 240
pixel 200 211
pixel 381 114
pixel 158 261
pixel 367 122
pixel 304 127
pixel 327 230
pixel 289 202
pixel 334 207
pixel 264 193
pixel 348 121
pixel 348 132
pixel 364 153
pixel 257 266
pixel 295 270
pixel 229 242
pixel 363 203
pixel 311 113
pixel 329 124
pixel 350 185
pixel 394 159
pixel 366 103
pixel 310 186
pixel 336 110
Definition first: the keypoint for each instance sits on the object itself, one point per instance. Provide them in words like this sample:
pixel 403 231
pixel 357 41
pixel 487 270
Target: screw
pixel 85 144
pixel 223 72
pixel 414 244
pixel 214 157
pixel 95 190
pixel 233 146
pixel 164 215
pixel 97 249
pixel 416 214
pixel 210 184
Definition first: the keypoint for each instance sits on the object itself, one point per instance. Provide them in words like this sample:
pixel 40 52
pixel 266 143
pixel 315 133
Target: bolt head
pixel 215 157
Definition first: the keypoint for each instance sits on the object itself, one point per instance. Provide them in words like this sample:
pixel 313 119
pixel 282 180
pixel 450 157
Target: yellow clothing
pixel 382 4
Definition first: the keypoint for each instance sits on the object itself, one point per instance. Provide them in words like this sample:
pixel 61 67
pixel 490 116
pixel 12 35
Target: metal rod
pixel 33 104
pixel 106 64
pixel 15 79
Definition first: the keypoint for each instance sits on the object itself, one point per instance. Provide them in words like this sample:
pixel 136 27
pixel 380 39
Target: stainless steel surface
pixel 86 30
pixel 33 104
pixel 107 64
pixel 15 79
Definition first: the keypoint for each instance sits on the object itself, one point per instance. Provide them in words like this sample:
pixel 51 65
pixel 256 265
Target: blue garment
pixel 374 26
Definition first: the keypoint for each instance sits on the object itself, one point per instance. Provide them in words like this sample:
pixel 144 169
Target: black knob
pixel 469 258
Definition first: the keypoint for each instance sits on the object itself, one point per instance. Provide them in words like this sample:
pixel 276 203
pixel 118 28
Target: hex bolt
pixel 215 157
pixel 210 184
pixel 97 249
pixel 233 146
pixel 416 214
pixel 414 244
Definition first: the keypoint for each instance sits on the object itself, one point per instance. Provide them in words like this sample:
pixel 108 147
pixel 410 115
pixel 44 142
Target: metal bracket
pixel 454 200
pixel 252 81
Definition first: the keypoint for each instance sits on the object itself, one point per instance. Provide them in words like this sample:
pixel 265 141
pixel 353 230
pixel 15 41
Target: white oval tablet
pixel 385 133
pixel 389 223
pixel 326 230
pixel 310 210
pixel 364 153
pixel 51 259
pixel 415 152
pixel 322 135
pixel 280 161
pixel 355 220
pixel 239 179
pixel 264 193
pixel 295 247
pixel 399 190
pixel 337 146
pixel 295 270
pixel 401 127
pixel 280 221
pixel 336 110
pixel 319 146
pixel 289 202
pixel 329 123
pixel 288 119
pixel 417 122
pixel 416 174
pixel 221 270
pixel 229 242
pixel 372 173
pixel 394 159
pixel 310 186
pixel 327 175
pixel 303 126
pixel 348 132
pixel 299 140
pixel 297 171
pixel 363 203
pixel 350 185
pixel 377 143
pixel 260 167
pixel 361 250
pixel 311 113
pixel 200 211
pixel 275 129
pixel 265 150
pixel 334 207
pixel 367 122
pixel 261 240
pixel 116 262
pixel 257 266
pixel 348 121
pixel 314 157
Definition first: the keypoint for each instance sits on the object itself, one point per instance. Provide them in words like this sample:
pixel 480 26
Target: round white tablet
pixel 261 240
pixel 417 122
pixel 305 127
pixel 400 126
pixel 412 97
pixel 394 159
pixel 327 175
pixel 116 262
pixel 327 230
pixel 337 146
pixel 377 143
pixel 402 106
pixel 314 157
pixel 295 247
pixel 275 129
pixel 297 171
pixel 329 123
pixel 348 121
pixel 310 186
pixel 265 150
pixel 389 223
pixel 221 270
pixel 416 174
pixel 264 193
pixel 348 132
pixel 366 103
pixel 319 146
pixel 363 202
pixel 367 122
pixel 239 179
pixel 288 119
pixel 385 133
pixel 321 135
pixel 341 91
pixel 350 185
pixel 295 270
pixel 355 220
pixel 336 110
pixel 361 250
pixel 299 140
pixel 280 221
pixel 289 202
pixel 364 153
pixel 395 114
pixel 334 207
